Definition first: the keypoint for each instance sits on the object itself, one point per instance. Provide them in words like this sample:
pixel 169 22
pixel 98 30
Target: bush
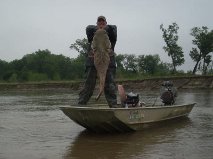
pixel 32 76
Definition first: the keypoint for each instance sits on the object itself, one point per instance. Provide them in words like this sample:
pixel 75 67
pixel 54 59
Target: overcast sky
pixel 29 25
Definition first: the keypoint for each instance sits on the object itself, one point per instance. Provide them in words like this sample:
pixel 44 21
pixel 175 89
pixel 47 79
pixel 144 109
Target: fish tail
pixel 98 96
pixel 101 85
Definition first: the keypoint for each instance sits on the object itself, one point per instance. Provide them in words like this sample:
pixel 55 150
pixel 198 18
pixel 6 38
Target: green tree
pixel 42 62
pixel 4 69
pixel 81 46
pixel 170 37
pixel 203 40
pixel 13 78
pixel 43 65
pixel 210 70
pixel 152 64
pixel 148 63
pixel 164 68
pixel 119 61
pixel 130 63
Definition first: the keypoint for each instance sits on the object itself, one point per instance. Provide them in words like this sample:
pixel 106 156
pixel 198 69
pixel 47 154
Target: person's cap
pixel 101 18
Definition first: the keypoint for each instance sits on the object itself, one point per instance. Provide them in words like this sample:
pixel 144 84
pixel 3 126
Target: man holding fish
pixel 100 62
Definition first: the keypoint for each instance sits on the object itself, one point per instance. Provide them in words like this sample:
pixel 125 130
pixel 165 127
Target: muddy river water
pixel 33 127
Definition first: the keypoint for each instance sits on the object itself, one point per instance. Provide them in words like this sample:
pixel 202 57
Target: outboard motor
pixel 168 93
pixel 132 99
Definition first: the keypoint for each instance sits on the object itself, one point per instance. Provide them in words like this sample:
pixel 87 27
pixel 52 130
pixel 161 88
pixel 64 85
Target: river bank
pixel 190 82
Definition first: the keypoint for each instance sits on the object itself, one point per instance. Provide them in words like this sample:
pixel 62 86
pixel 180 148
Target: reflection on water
pixel 129 145
pixel 32 126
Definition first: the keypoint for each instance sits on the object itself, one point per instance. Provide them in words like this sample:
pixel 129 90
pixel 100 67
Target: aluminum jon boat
pixel 104 119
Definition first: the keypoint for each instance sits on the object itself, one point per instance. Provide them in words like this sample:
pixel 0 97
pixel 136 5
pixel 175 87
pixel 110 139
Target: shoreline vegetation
pixel 147 83
pixel 43 69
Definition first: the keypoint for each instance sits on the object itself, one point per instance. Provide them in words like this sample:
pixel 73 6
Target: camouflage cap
pixel 101 18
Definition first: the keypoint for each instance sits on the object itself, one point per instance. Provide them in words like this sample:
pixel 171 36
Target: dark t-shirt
pixel 112 33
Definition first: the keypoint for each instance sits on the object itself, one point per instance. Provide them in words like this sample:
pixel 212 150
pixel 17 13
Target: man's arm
pixel 90 30
pixel 112 33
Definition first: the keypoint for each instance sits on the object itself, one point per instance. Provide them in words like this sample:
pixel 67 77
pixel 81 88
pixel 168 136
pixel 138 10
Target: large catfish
pixel 101 48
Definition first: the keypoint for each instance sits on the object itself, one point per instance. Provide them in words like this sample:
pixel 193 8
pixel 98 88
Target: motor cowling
pixel 132 99
pixel 168 93
pixel 128 100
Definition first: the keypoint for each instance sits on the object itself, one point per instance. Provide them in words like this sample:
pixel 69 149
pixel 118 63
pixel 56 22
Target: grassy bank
pixel 133 83
pixel 41 85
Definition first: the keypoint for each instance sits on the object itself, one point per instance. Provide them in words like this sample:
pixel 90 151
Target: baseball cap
pixel 101 18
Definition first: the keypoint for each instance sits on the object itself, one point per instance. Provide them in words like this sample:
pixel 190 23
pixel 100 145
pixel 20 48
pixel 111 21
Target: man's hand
pixel 101 24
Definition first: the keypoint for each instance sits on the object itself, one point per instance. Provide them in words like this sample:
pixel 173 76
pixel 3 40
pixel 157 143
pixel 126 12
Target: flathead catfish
pixel 101 48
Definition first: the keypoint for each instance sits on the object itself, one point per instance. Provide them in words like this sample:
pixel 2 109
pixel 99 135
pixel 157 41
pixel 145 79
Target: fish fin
pixel 98 96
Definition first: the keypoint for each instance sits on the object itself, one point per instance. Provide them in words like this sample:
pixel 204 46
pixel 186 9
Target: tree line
pixel 42 65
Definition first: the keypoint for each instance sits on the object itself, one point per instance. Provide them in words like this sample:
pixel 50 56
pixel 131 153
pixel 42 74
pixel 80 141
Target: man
pixel 91 73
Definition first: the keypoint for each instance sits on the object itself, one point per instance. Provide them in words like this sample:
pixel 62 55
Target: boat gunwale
pixel 129 108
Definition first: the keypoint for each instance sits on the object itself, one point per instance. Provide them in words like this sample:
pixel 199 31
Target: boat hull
pixel 124 119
